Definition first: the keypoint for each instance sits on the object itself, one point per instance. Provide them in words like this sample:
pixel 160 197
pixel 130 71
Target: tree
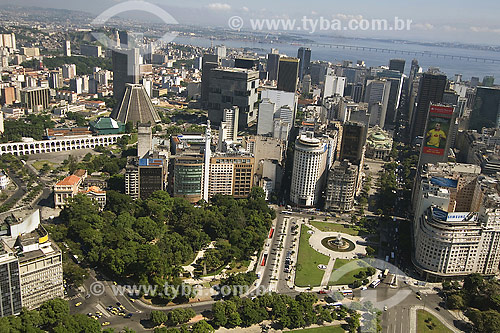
pixel 455 302
pixel 158 317
pixel 219 314
pixel 370 251
pixel 53 311
pixel 202 327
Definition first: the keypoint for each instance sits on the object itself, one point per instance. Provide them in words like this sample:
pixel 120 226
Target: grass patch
pixel 308 260
pixel 39 164
pixel 334 227
pixel 347 278
pixel 323 329
pixel 427 322
pixel 238 267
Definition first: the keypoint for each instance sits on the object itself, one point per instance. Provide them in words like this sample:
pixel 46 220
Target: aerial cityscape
pixel 237 167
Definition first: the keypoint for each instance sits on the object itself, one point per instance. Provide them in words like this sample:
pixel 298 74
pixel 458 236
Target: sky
pixel 432 20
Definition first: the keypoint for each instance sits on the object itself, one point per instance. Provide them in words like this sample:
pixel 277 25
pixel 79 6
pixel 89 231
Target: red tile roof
pixel 70 180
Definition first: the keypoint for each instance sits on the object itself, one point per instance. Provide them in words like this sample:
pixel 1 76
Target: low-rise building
pixel 65 189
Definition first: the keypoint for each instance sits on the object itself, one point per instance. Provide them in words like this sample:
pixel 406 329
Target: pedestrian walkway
pixel 328 272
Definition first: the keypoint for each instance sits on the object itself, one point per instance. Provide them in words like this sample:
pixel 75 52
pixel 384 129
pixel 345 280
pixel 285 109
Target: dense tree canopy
pixel 148 240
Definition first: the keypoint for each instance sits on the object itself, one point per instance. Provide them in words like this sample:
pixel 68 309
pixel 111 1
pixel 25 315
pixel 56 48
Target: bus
pixel 347 292
pixel 271 233
pixel 264 259
pixel 286 212
pixel 375 283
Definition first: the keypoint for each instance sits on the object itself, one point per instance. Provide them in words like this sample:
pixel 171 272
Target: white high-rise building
pixel 378 91
pixel 309 170
pixel 68 71
pixel 267 109
pixel 230 119
pixel 334 85
pixel 67 48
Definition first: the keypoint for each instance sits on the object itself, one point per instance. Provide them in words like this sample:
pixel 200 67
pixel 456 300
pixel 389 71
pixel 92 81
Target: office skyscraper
pixel 431 90
pixel 273 60
pixel 486 110
pixel 309 170
pixel 304 55
pixel 288 73
pixel 353 142
pixel 125 70
pixel 208 62
pixel 67 48
pixel 397 65
pixel 233 87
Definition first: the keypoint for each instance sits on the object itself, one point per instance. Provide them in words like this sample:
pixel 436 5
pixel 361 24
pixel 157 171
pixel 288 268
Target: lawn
pixel 432 325
pixel 308 260
pixel 324 329
pixel 39 164
pixel 347 278
pixel 334 227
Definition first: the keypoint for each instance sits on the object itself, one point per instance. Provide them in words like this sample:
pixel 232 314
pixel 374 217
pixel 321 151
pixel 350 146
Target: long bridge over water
pixel 403 52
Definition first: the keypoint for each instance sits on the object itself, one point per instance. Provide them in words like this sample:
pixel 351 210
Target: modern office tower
pixel 486 110
pixel 221 51
pixel 246 63
pixel 334 85
pixel 488 81
pixel 136 106
pixel 304 55
pixel 10 289
pixel 125 70
pixel 91 50
pixel 288 74
pixel 281 98
pixel 233 87
pixel 55 79
pixel 396 80
pixel 68 71
pixel 67 48
pixel 341 187
pixel 352 147
pixel 123 38
pixel 450 243
pixel 273 60
pixel 267 109
pixel 76 85
pixel 397 65
pixel 378 144
pixel 144 140
pixel 431 90
pixel 31 272
pixel 306 84
pixel 318 72
pixel 188 177
pixel 438 134
pixel 144 176
pixel 231 174
pixel 378 91
pixel 230 123
pixel 35 98
pixel 152 176
pixel 309 170
pixel 209 62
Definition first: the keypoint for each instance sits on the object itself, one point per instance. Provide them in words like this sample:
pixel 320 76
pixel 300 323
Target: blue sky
pixel 433 20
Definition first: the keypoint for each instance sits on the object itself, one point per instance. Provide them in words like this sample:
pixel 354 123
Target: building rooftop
pixel 70 180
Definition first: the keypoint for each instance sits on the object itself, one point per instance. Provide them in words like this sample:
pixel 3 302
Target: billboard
pixel 438 129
